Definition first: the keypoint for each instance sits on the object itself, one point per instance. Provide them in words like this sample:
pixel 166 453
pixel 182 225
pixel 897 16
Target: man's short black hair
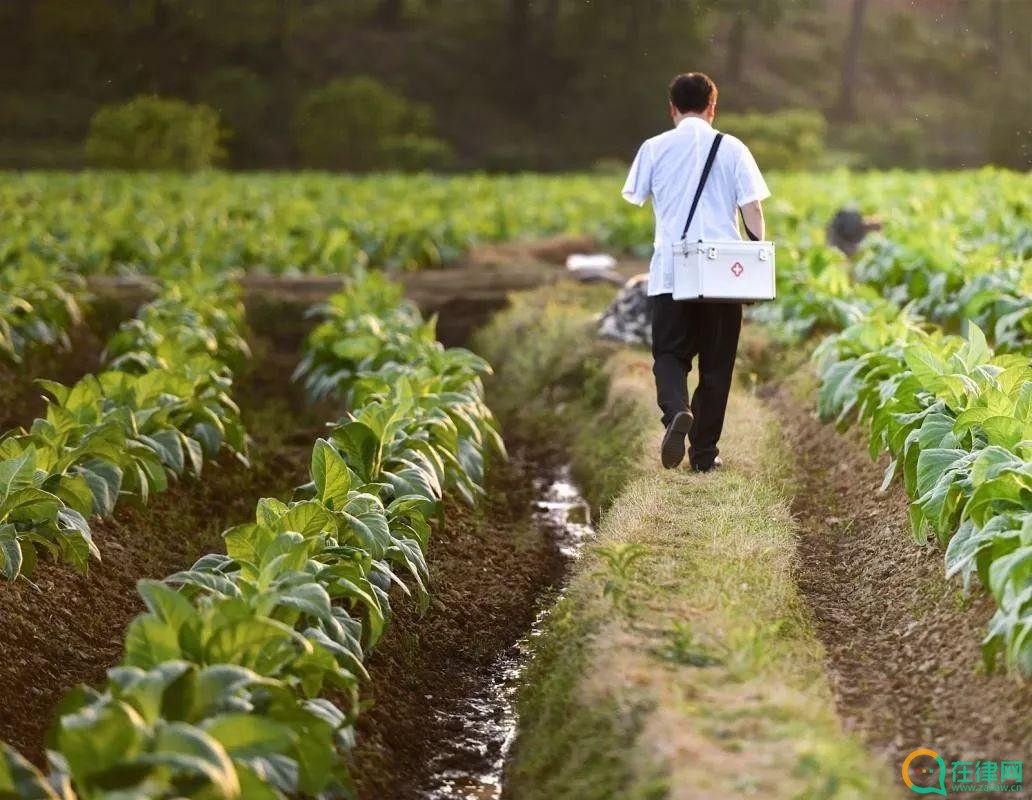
pixel 692 92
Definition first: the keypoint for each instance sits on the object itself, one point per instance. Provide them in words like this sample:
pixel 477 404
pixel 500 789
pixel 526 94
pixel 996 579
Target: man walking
pixel 668 168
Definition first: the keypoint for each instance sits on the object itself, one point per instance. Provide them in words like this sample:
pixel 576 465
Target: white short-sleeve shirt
pixel 667 169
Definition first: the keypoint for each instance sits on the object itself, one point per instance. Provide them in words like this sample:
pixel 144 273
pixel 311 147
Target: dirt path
pixel 69 630
pixel 902 645
pixel 490 569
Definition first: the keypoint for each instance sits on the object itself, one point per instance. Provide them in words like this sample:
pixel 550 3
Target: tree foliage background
pixel 516 84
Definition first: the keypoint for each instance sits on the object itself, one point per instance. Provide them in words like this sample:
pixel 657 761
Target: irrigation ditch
pixel 443 716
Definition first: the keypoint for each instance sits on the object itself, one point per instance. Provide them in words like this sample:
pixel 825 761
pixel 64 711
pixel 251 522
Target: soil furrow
pixel 902 642
pixel 490 570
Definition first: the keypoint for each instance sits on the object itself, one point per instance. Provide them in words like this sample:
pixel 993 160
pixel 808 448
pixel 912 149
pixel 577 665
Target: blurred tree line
pixel 521 84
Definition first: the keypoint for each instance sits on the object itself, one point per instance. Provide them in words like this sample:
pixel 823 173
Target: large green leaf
pixel 1003 431
pixel 105 482
pixel 149 641
pixel 75 540
pixel 259 644
pixel 166 603
pixel 168 444
pixel 10 552
pixel 331 475
pixel 17 473
pixel 933 464
pixel 360 446
pixel 191 751
pixel 307 518
pixel 249 735
pixel 19 780
pixel 97 738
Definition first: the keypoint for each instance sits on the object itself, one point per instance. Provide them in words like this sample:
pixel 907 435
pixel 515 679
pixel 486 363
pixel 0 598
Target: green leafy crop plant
pixel 957 421
pixel 39 305
pixel 957 245
pixel 160 410
pixel 954 249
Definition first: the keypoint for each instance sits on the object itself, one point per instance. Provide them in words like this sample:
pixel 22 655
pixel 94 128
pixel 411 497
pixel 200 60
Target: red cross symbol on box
pixel 737 269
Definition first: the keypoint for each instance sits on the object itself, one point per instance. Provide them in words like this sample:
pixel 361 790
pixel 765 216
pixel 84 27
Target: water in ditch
pixel 470 765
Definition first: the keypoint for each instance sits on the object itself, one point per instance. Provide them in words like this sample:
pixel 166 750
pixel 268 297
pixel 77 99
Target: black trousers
pixel 681 331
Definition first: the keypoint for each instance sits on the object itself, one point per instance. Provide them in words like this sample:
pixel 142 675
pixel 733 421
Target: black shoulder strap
pixel 702 182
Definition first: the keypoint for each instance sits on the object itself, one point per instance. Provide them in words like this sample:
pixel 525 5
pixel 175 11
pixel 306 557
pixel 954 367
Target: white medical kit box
pixel 727 271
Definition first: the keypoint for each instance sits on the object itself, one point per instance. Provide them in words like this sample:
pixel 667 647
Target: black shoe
pixel 716 463
pixel 671 452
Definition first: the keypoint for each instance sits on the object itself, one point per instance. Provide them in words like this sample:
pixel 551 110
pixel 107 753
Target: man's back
pixel 668 168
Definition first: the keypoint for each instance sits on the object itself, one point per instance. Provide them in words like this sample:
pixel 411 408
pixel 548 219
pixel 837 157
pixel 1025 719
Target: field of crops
pixel 226 681
pixel 243 677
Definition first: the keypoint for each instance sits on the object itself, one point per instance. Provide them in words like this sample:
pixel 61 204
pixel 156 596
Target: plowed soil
pixel 64 629
pixel 902 643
